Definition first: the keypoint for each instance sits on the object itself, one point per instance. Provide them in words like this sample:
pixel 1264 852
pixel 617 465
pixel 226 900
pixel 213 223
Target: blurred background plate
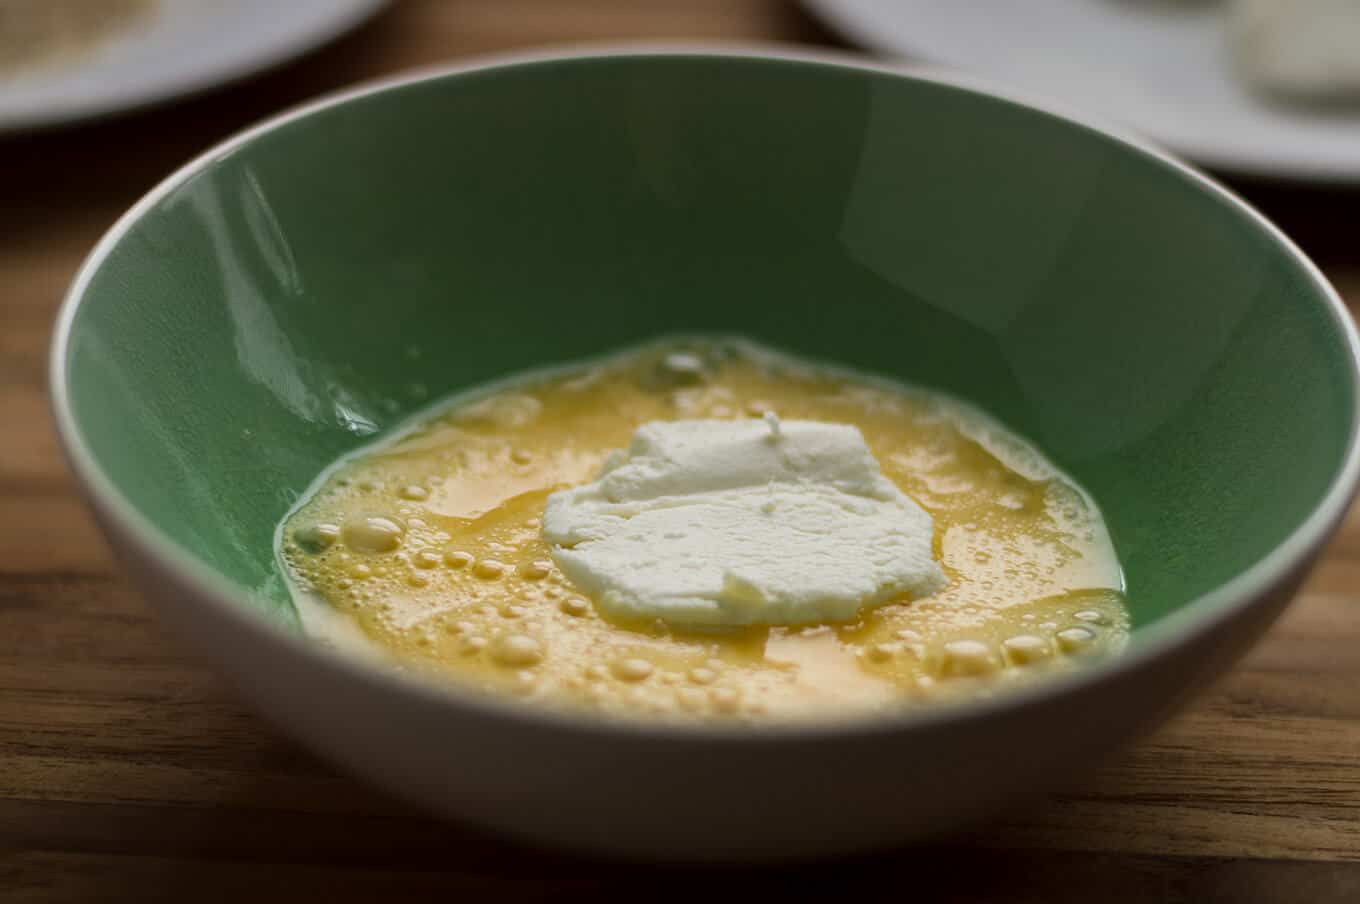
pixel 1158 66
pixel 116 55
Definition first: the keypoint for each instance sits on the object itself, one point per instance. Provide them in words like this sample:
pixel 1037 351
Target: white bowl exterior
pixel 698 798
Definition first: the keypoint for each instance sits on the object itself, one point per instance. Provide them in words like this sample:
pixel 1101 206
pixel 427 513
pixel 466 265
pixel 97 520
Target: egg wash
pixel 705 529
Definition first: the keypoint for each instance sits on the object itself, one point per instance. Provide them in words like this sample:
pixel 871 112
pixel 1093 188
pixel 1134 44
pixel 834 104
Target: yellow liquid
pixel 426 550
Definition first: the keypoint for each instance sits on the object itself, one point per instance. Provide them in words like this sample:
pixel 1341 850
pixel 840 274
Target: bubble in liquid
pixel 517 650
pixel 455 558
pixel 536 570
pixel 1075 640
pixel 414 492
pixel 966 658
pixel 690 699
pixel 372 534
pixel 883 652
pixel 488 569
pixel 575 606
pixel 675 370
pixel 702 675
pixel 632 669
pixel 316 538
pixel 1023 649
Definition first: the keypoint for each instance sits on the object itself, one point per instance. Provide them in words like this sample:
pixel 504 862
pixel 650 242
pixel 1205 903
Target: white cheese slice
pixel 727 523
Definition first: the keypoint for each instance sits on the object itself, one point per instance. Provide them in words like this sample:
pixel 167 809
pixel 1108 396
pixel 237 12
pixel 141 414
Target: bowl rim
pixel 1192 621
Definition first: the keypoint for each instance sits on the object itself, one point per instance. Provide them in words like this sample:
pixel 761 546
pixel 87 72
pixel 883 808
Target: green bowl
pixel 311 282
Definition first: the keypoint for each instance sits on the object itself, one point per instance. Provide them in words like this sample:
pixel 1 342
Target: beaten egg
pixel 426 550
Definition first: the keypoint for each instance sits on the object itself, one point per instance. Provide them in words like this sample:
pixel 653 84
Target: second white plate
pixel 1159 69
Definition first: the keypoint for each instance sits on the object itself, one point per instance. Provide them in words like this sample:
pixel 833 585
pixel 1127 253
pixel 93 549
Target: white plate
pixel 1160 68
pixel 183 46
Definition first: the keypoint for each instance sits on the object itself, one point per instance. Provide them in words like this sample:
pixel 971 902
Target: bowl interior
pixel 327 277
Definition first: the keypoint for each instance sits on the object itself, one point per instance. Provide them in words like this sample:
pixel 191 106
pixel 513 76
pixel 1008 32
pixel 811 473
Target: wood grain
pixel 129 772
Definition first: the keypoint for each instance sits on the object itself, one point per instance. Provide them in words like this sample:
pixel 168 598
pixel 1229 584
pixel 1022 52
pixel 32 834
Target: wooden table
pixel 130 772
